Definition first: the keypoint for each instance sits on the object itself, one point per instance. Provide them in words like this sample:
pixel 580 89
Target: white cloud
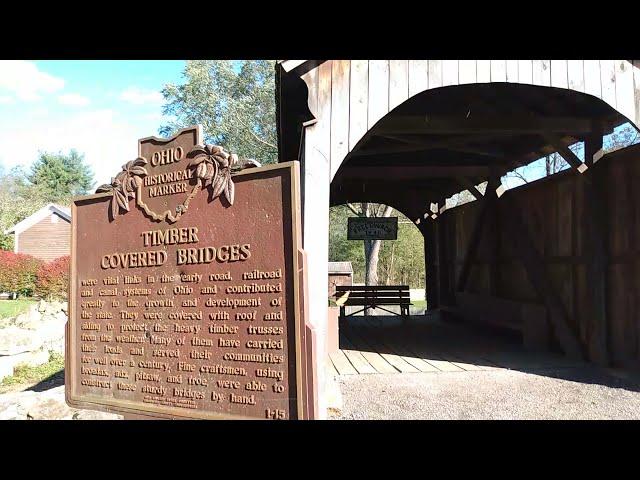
pixel 25 81
pixel 73 100
pixel 6 99
pixel 106 138
pixel 139 96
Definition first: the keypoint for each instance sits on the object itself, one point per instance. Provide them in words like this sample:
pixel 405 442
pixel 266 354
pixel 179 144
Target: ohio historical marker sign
pixel 186 295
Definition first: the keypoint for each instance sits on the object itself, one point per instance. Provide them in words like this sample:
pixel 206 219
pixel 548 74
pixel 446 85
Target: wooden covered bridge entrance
pixel 556 259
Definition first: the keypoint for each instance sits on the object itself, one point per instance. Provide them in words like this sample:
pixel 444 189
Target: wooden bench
pixel 373 296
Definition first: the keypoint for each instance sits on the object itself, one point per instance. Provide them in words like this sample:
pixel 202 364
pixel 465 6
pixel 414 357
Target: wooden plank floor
pixel 371 347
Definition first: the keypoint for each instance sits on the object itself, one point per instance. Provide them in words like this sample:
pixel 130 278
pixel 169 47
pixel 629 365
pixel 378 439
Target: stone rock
pixel 10 413
pixel 6 367
pixel 29 320
pixel 47 405
pixel 9 362
pixel 14 340
pixel 49 409
pixel 42 306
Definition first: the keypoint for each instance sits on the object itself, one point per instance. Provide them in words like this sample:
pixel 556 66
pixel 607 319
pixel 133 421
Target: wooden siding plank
pixel 467 71
pixel 397 344
pixel 449 72
pixel 418 363
pixel 625 98
pixel 374 358
pixel 419 351
pixel 636 86
pixel 498 70
pixel 398 82
pixel 541 73
pixel 559 75
pixel 331 369
pixel 512 71
pixel 359 362
pixel 378 105
pixel 311 79
pixel 435 73
pixel 592 84
pixel 442 365
pixel 525 71
pixel 483 71
pixel 324 111
pixel 608 81
pixel 418 76
pixel 575 69
pixel 358 101
pixel 340 75
pixel 342 364
pixel 392 358
pixel 47 239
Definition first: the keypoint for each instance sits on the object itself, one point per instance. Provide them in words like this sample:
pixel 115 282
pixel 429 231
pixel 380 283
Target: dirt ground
pixel 570 394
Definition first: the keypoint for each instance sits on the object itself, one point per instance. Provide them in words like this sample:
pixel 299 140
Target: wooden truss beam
pixel 494 125
pixel 488 201
pixel 539 278
pixel 564 151
pixel 468 184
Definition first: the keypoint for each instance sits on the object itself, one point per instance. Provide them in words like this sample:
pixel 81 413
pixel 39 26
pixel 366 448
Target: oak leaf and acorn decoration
pixel 214 167
pixel 123 187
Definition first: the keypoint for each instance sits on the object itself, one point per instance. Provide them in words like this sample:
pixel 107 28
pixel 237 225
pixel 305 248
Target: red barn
pixel 46 234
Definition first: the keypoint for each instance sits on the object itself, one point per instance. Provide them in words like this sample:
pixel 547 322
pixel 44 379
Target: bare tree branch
pixel 353 209
pixel 517 174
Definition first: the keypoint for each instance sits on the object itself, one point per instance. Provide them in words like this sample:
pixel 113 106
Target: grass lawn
pixel 419 303
pixel 11 308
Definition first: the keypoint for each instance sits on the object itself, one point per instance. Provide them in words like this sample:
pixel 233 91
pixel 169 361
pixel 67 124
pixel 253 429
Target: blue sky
pixel 99 107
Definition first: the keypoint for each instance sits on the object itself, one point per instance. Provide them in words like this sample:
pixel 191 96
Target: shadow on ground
pixel 48 383
pixel 427 337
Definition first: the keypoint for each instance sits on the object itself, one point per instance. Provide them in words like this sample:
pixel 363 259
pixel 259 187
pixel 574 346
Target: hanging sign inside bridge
pixel 372 228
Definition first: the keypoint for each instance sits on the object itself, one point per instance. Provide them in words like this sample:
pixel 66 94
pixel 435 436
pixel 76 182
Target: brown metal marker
pixel 187 289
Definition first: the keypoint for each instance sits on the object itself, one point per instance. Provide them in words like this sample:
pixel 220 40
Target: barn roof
pixel 34 218
pixel 340 267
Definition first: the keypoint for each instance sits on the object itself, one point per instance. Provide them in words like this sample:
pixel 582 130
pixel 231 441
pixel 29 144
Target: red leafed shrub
pixel 52 280
pixel 18 272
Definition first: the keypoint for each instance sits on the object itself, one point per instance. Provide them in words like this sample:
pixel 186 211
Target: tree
pixel 400 261
pixel 18 200
pixel 371 247
pixel 58 177
pixel 234 101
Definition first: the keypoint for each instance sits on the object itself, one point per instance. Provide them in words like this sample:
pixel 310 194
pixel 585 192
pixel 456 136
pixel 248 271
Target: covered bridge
pixel 411 133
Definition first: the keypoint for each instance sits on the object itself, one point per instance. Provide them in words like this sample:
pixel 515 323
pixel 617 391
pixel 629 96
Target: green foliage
pixel 407 266
pixel 59 177
pixel 234 101
pixel 402 260
pixel 18 200
pixel 52 178
pixel 341 249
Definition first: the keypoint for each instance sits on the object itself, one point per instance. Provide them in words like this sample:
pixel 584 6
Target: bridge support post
pixel 596 248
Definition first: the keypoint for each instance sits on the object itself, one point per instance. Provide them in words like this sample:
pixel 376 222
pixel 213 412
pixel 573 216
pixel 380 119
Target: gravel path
pixel 568 393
